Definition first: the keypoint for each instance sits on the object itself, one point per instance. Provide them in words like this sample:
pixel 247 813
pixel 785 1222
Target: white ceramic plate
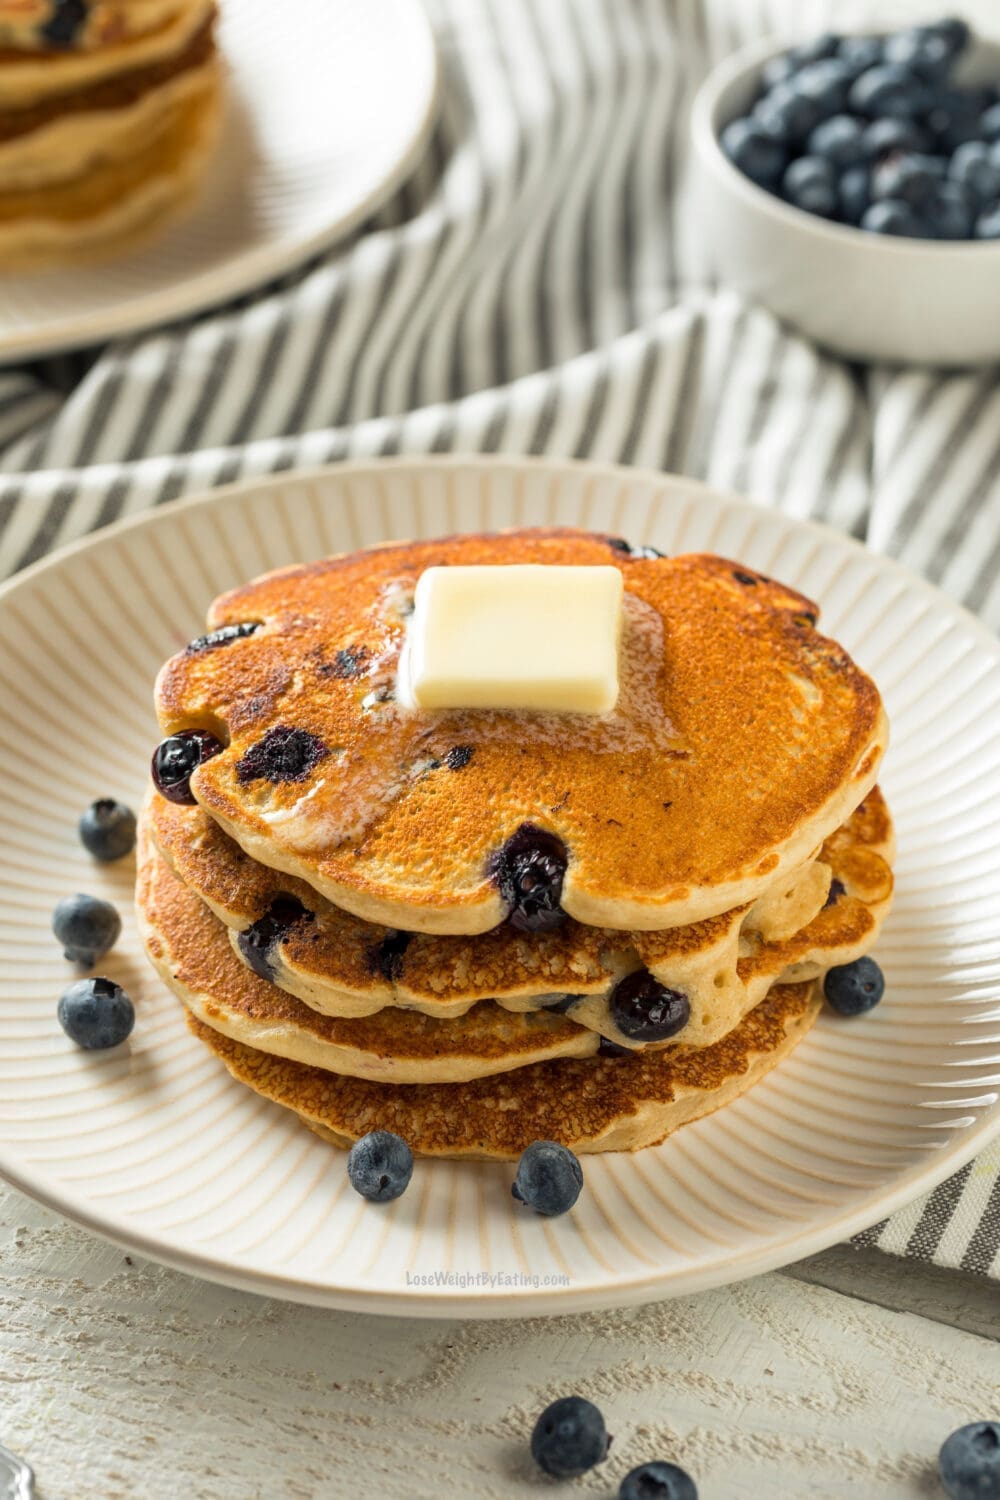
pixel 330 104
pixel 156 1147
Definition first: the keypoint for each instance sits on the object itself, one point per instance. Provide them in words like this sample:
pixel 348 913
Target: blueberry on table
pixel 657 1481
pixel 893 216
pixel 861 52
pixel 380 1166
pixel 887 90
pixel 756 153
pixel 175 760
pixel 549 1179
pixel 107 829
pixel 893 134
pixel 569 1438
pixel 840 139
pixel 87 927
pixel 974 166
pixel 854 988
pixel 96 1014
pixel 811 184
pixel 855 194
pixel 970 1462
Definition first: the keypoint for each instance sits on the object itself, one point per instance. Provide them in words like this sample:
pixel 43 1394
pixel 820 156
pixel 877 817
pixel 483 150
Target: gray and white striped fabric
pixel 539 287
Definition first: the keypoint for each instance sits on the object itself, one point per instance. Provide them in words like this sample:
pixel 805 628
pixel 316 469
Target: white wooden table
pixel 120 1379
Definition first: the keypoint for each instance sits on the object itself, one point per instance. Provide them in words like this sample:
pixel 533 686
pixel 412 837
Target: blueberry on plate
pixel 970 1462
pixel 658 1481
pixel 107 829
pixel 87 927
pixel 987 226
pixel 756 153
pixel 854 988
pixel 893 216
pixel 839 139
pixel 855 194
pixel 380 1166
pixel 922 49
pixel 887 90
pixel 861 52
pixel 810 183
pixel 569 1438
pixel 175 760
pixel 549 1179
pixel 974 166
pixel 889 134
pixel 96 1014
pixel 910 177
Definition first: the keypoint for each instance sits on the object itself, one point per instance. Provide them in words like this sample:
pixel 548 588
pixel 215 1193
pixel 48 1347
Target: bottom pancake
pixel 589 1104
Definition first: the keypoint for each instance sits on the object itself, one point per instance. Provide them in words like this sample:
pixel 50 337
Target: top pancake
pixel 742 738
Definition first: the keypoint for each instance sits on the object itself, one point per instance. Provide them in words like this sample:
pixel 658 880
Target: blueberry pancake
pixel 589 1104
pixel 742 738
pixel 104 141
pixel 715 971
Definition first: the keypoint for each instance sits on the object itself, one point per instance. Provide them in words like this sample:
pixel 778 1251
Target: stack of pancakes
pixel 108 113
pixel 482 928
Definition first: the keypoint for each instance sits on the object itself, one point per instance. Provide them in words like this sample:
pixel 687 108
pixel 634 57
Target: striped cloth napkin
pixel 539 286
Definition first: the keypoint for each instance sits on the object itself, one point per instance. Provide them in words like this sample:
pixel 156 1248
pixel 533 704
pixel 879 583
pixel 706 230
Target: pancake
pixel 119 202
pixel 189 949
pixel 594 1104
pixel 342 966
pixel 742 738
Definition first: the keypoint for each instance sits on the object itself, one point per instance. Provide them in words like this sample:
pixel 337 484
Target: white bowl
pixel 868 296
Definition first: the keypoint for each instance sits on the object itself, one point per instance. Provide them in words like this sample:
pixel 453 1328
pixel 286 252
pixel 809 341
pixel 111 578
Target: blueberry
pixel 861 52
pixel 87 927
pixel 975 168
pixel 855 194
pixel 645 1010
pixel 923 50
pixel 224 636
pixel 380 1166
pixel 66 22
pixel 955 32
pixel 989 123
pixel 893 216
pixel 787 114
pixel 175 759
pixel 282 754
pixel 258 941
pixel 827 83
pixel 107 829
pixel 529 872
pixel 549 1178
pixel 96 1014
pixel 387 957
pixel 777 69
pixel 883 136
pixel 657 1482
pixel 911 178
pixel 854 988
pixel 887 90
pixel 950 212
pixel 987 226
pixel 839 139
pixel 811 184
pixel 953 117
pixel 837 889
pixel 757 155
pixel 569 1438
pixel 970 1462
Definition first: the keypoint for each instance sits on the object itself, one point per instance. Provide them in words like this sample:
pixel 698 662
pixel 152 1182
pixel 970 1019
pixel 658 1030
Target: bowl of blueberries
pixel 852 185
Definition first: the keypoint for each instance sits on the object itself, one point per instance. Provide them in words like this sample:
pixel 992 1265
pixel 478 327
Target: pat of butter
pixel 524 636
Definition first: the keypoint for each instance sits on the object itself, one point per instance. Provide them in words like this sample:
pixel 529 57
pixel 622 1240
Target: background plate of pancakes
pixel 156 1146
pixel 161 156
